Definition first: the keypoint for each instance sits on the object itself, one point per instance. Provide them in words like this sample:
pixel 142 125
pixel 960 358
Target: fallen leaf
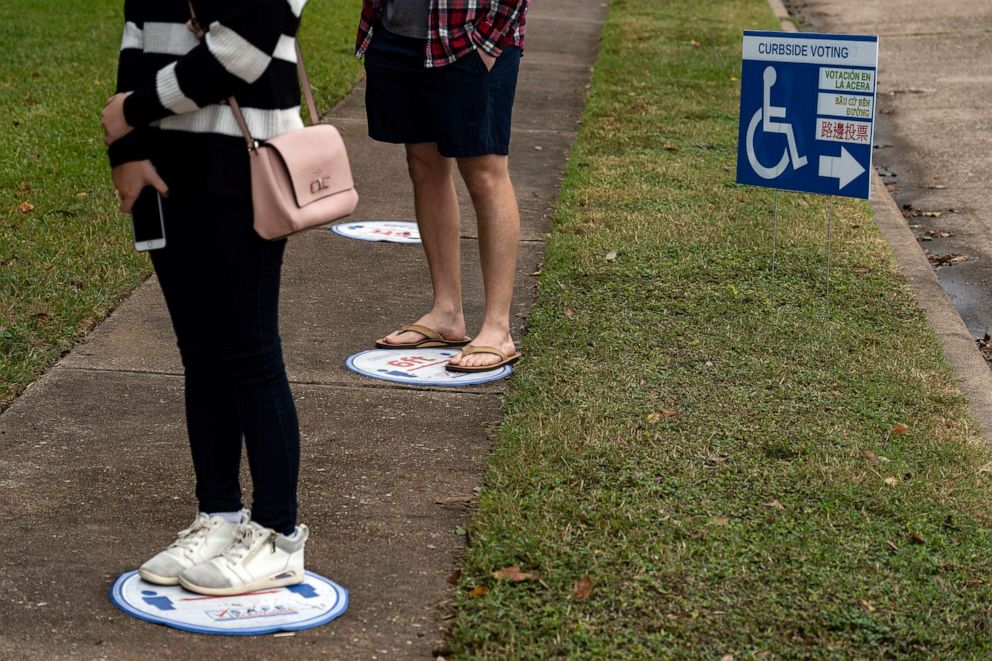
pixel 695 44
pixel 454 576
pixel 916 538
pixel 867 606
pixel 670 148
pixel 900 428
pixel 891 480
pixel 25 207
pixel 943 260
pixel 569 312
pixel 513 574
pixel 582 589
pixel 776 504
pixel 480 591
pixel 456 503
pixel 871 457
pixel 611 256
pixel 81 195
pixel 720 520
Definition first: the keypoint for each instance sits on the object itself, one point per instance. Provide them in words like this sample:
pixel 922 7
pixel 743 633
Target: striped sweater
pixel 178 85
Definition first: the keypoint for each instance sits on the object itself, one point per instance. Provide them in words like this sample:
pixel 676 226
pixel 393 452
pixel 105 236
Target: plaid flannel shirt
pixel 458 27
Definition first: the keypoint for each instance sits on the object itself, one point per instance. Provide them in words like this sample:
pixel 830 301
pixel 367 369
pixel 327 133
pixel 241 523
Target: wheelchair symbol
pixel 764 115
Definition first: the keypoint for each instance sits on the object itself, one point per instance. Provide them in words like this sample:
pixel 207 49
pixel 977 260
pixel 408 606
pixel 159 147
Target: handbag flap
pixel 315 160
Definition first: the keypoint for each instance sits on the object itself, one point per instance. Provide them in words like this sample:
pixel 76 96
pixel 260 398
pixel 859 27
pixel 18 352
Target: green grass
pixel 771 512
pixel 69 261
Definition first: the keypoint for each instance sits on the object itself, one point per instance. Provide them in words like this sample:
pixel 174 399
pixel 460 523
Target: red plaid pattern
pixel 457 27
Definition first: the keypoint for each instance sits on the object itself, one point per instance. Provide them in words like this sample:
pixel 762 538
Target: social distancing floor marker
pixel 390 231
pixel 424 367
pixel 314 602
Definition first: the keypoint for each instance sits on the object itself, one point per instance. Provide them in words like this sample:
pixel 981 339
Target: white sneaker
pixel 205 539
pixel 258 558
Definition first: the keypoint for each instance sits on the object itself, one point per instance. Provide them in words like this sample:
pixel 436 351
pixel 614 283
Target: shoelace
pixel 244 539
pixel 188 539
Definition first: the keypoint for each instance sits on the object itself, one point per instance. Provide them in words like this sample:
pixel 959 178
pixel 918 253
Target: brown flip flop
pixel 431 339
pixel 471 348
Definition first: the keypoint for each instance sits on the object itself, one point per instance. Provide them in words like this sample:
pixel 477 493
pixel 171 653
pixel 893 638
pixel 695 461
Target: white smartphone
pixel 147 221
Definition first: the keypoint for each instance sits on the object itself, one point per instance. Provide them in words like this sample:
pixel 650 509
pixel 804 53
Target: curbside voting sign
pixel 807 112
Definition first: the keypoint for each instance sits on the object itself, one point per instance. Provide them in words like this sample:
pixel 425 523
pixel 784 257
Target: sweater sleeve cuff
pixel 132 147
pixel 142 107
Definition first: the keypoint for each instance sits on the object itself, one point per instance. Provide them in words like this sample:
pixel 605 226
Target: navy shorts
pixel 463 107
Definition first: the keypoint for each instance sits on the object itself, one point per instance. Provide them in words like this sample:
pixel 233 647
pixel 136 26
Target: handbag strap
pixel 301 71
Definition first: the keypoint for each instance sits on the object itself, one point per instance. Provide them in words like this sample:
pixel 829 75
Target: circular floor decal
pixel 314 602
pixel 392 231
pixel 423 367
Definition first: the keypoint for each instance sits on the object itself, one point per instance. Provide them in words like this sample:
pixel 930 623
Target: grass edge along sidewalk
pixel 66 258
pixel 701 457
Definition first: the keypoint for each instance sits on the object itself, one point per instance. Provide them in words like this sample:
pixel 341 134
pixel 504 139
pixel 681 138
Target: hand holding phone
pixel 148 221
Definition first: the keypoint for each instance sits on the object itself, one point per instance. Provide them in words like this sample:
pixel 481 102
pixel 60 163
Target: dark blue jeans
pixel 221 285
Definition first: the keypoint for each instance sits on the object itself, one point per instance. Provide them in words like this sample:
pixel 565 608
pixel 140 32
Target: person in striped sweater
pixel 167 127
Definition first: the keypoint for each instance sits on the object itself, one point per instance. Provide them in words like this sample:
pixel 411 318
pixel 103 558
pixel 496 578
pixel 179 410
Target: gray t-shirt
pixel 406 17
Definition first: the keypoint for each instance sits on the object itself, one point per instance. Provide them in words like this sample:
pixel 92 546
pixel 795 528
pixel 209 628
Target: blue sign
pixel 807 112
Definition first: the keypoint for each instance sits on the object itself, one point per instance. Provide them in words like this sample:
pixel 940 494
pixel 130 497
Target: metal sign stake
pixel 830 226
pixel 775 236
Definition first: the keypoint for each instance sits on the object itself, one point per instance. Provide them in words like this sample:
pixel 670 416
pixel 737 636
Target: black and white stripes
pixel 178 83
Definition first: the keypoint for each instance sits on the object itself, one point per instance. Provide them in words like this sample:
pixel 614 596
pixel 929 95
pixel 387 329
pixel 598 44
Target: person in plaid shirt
pixel 441 77
pixel 464 24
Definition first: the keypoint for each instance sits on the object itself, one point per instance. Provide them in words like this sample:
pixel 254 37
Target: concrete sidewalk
pixel 94 467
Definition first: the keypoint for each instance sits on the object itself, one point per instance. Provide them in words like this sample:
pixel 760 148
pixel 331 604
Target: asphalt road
pixel 933 139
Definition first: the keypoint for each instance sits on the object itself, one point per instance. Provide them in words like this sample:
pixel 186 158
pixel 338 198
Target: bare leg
pixel 440 229
pixel 488 181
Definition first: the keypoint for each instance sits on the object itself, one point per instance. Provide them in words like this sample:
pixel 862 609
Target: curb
pixel 973 376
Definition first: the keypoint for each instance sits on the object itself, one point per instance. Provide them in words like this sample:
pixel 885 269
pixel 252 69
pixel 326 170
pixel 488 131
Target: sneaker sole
pixel 254 586
pixel 149 577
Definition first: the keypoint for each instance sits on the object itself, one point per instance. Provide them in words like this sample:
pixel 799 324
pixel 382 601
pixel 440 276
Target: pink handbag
pixel 300 179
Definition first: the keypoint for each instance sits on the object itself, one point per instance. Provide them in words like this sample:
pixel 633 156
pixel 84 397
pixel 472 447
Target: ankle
pixel 450 312
pixel 500 329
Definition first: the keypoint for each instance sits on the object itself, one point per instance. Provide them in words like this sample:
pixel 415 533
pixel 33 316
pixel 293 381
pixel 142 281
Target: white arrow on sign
pixel 845 168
